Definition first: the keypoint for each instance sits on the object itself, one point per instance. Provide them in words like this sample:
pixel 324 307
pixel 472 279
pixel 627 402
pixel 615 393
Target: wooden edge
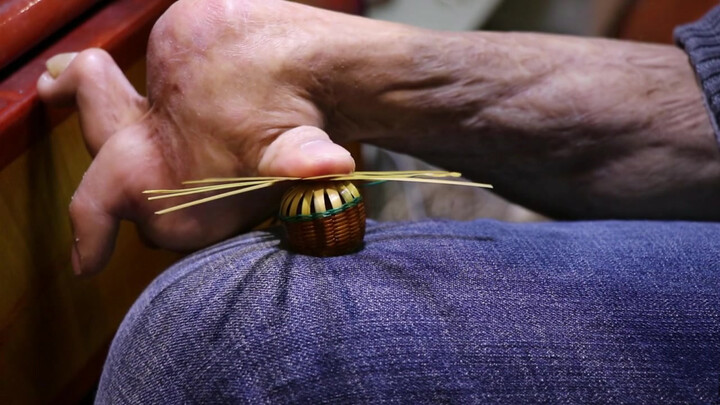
pixel 121 28
pixel 81 385
pixel 27 23
pixel 654 20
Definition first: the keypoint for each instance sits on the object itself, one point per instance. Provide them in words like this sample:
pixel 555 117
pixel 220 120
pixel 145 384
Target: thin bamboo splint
pixel 322 215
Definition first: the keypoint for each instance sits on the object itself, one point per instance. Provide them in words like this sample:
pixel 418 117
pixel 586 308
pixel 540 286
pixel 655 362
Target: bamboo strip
pixel 246 184
pixel 197 190
pixel 417 180
pixel 232 179
pixel 213 198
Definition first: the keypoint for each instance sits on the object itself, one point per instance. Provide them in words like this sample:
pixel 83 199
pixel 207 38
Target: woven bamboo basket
pixel 323 218
pixel 323 215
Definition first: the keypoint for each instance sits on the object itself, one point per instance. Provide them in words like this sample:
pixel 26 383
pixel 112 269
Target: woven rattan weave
pixel 323 218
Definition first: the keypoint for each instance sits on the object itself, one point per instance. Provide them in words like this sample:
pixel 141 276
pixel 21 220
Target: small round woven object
pixel 323 218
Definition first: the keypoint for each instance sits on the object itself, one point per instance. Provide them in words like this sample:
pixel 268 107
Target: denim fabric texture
pixel 434 312
pixel 701 41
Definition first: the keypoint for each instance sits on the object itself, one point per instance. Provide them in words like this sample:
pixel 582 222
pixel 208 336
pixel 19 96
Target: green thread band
pixel 319 215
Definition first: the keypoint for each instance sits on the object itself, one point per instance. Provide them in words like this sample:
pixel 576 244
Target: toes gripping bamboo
pixel 323 215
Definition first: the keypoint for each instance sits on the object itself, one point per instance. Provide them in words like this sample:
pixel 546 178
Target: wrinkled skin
pixel 572 127
pixel 222 101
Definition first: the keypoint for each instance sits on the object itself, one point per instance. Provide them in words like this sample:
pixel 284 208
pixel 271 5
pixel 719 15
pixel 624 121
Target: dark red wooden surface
pixel 346 6
pixel 654 20
pixel 24 23
pixel 122 28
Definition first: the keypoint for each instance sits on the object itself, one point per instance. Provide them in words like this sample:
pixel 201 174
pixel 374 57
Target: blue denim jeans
pixel 434 312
